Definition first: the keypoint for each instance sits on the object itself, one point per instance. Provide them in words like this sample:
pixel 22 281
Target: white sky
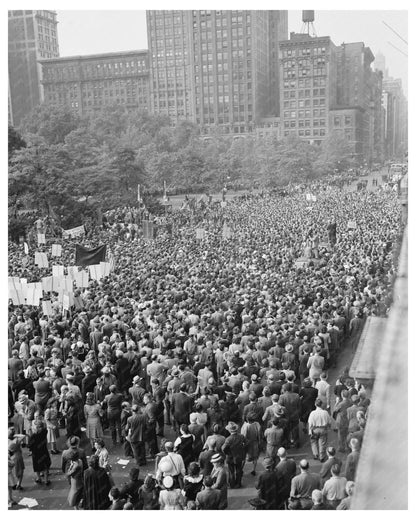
pixel 97 31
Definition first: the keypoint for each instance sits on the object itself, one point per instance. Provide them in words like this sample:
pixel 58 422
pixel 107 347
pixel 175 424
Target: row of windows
pixel 291 74
pixel 307 82
pixel 301 123
pixel 316 62
pixel 338 120
pixel 291 94
pixel 305 51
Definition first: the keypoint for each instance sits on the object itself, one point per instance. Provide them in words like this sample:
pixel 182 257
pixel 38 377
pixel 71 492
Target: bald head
pixel 281 452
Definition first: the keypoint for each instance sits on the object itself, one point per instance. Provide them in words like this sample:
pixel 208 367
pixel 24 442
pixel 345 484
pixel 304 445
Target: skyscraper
pixel 307 85
pixel 214 67
pixel 32 36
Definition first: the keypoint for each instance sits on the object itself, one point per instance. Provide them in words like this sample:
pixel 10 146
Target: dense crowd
pixel 227 342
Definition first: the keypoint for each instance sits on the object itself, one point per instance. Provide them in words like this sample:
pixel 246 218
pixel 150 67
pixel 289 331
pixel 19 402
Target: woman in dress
pixel 192 482
pixel 103 458
pixel 41 459
pixel 93 412
pixel 169 498
pixel 184 445
pixel 52 426
pixel 15 451
pixel 75 472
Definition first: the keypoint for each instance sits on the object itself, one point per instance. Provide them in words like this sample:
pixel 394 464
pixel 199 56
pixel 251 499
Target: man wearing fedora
pixel 235 447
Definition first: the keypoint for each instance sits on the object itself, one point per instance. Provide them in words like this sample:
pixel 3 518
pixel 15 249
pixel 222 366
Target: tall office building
pixel 87 83
pixel 32 36
pixel 307 86
pixel 213 67
pixel 395 105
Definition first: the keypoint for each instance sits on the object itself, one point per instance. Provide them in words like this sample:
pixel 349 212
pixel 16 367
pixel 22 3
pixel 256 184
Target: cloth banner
pixel 56 250
pixel 34 293
pixel 95 272
pixel 74 232
pixel 41 260
pixel 51 283
pixel 85 256
pixel 72 271
pixel 200 234
pixel 66 282
pixel 41 239
pixel 105 268
pixel 82 279
pixel 47 307
pixel 57 270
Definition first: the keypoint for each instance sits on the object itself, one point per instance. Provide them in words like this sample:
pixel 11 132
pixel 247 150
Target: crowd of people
pixel 210 357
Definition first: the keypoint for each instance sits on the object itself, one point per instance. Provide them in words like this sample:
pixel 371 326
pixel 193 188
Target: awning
pixel 364 364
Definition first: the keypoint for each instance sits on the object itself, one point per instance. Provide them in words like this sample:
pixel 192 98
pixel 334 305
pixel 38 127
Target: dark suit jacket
pixel 209 499
pixel 137 425
pixel 325 472
pixel 291 402
pixel 286 470
pixel 181 407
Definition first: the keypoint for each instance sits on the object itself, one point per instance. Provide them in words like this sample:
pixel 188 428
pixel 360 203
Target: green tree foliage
pixel 50 122
pixel 15 141
pixel 71 164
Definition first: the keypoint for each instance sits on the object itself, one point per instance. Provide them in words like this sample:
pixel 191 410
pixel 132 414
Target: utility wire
pixel 395 32
pixel 397 49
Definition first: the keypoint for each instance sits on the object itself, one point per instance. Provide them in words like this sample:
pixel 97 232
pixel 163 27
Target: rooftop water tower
pixel 308 17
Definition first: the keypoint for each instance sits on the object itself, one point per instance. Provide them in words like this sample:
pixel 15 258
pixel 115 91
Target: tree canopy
pixel 57 158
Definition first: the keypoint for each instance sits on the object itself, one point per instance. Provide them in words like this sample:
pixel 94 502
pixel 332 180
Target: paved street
pixel 55 496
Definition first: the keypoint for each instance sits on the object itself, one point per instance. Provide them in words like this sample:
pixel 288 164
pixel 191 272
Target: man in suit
pixel 209 498
pixel 352 460
pixel 181 407
pixel 268 485
pixel 136 428
pixel 291 401
pixel 234 448
pixel 325 472
pixel 286 470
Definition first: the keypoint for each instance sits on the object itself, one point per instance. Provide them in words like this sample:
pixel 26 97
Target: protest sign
pixel 105 268
pixel 200 234
pixel 47 307
pixel 34 293
pixel 26 248
pixel 56 250
pixel 352 224
pixel 72 271
pixel 57 270
pixel 95 271
pixel 41 239
pixel 74 232
pixel 41 260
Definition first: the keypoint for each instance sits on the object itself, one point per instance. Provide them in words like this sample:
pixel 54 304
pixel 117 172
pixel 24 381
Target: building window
pixel 348 120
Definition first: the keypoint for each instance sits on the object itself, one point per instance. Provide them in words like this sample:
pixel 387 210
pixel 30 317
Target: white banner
pixel 74 232
pixel 95 271
pixel 57 270
pixel 41 239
